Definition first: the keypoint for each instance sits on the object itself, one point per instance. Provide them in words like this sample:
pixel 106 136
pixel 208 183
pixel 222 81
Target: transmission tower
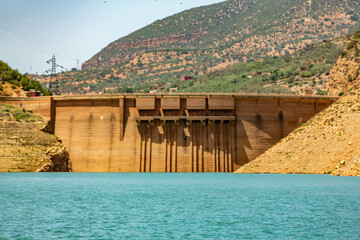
pixel 53 89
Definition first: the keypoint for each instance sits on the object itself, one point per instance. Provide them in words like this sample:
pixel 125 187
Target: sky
pixel 31 31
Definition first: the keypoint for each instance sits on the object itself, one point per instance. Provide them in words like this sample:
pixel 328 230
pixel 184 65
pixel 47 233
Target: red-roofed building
pixel 256 74
pixel 184 78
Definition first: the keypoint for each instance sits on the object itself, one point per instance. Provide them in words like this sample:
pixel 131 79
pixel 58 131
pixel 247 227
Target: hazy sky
pixel 32 30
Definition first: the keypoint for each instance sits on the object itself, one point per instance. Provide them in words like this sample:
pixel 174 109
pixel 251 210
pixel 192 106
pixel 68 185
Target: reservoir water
pixel 178 206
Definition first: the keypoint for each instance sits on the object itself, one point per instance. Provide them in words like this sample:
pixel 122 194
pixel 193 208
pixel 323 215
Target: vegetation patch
pixel 18 80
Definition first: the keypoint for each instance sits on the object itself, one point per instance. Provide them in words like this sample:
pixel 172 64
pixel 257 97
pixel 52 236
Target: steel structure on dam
pixel 171 132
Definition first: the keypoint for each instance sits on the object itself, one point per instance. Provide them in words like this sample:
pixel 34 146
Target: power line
pixel 47 29
pixel 45 40
pixel 58 16
pixel 40 52
pixel 16 39
pixel 25 45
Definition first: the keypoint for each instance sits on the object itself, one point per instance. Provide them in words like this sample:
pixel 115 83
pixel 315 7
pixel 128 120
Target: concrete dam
pixel 171 132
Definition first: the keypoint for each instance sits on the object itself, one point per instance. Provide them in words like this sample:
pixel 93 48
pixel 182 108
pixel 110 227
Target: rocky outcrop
pixel 99 60
pixel 345 75
pixel 59 161
pixel 24 147
pixel 49 127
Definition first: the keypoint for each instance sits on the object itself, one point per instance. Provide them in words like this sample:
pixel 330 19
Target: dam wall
pixel 171 133
pixel 39 106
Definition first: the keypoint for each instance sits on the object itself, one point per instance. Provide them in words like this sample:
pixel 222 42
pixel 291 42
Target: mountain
pixel 241 29
pixel 204 39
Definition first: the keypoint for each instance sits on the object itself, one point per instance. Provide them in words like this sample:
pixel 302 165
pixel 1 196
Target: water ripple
pixel 178 206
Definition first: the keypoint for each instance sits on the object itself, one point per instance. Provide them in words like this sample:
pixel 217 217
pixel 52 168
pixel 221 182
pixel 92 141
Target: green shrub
pixel 350 44
pixel 344 54
pixel 21 115
pixel 357 34
pixel 321 92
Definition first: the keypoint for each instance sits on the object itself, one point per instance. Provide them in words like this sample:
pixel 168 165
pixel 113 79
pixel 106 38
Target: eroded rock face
pixel 49 127
pixel 98 60
pixel 345 75
pixel 59 161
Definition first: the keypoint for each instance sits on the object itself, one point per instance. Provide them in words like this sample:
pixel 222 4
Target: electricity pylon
pixel 53 89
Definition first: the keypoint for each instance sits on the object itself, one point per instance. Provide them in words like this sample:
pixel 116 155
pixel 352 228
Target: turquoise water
pixel 178 206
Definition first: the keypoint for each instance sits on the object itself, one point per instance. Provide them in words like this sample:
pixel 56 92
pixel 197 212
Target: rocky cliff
pixel 98 61
pixel 59 161
pixel 25 148
pixel 345 74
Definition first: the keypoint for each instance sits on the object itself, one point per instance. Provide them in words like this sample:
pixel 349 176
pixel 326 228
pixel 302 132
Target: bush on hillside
pixel 19 80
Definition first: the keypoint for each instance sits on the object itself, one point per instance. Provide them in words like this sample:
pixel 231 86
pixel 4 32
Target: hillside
pixel 330 142
pixel 308 68
pixel 201 40
pixel 24 147
pixel 11 80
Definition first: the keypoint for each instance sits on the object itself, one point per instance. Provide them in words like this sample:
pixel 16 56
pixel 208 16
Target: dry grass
pixel 23 145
